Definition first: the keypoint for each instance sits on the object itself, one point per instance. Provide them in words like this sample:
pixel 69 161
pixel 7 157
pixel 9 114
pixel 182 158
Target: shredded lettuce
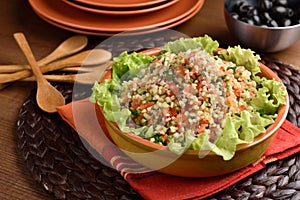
pixel 183 44
pixel 242 57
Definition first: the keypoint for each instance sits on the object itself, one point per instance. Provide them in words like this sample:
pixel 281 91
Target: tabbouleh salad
pixel 189 97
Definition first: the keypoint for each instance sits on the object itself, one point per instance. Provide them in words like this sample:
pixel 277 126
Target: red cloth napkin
pixel 81 116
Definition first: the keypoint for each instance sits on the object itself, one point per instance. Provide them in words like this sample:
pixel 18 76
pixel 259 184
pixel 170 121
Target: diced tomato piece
pixel 237 91
pixel 180 70
pixel 203 121
pixel 201 129
pixel 136 103
pixel 164 137
pixel 243 107
pixel 146 105
pixel 174 88
pixel 165 111
pixel 170 112
pixel 179 120
pixel 199 85
pixel 193 71
pixel 173 111
pixel 239 69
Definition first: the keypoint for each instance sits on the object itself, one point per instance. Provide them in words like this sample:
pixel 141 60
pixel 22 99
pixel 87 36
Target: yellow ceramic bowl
pixel 189 164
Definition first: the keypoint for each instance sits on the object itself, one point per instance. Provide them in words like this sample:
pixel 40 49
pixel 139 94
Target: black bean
pixel 286 22
pixel 265 16
pixel 266 4
pixel 235 15
pixel 243 9
pixel 251 12
pixel 280 10
pixel 256 20
pixel 296 21
pixel 247 20
pixel 272 23
pixel 290 12
pixel 281 2
pixel 272 13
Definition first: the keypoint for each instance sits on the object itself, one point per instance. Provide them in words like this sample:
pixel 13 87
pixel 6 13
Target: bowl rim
pixel 272 129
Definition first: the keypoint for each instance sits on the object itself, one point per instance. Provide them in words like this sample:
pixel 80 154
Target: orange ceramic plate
pixel 59 12
pixel 131 33
pixel 108 11
pixel 120 3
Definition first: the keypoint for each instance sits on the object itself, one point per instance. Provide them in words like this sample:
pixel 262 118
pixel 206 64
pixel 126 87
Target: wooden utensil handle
pixel 22 42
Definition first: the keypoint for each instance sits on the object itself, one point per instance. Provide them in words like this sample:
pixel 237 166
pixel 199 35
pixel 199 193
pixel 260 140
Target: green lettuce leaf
pixel 225 145
pixel 178 148
pixel 106 93
pixel 270 95
pixel 102 92
pixel 129 63
pixel 237 130
pixel 242 57
pixel 183 44
pixel 201 142
pixel 252 125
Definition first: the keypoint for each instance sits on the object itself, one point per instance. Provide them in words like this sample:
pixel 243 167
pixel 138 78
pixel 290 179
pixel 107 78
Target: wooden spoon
pixel 66 48
pixel 85 58
pixel 47 96
pixel 89 76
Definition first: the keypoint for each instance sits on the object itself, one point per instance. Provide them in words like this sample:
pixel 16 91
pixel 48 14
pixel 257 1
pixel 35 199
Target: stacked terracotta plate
pixel 109 17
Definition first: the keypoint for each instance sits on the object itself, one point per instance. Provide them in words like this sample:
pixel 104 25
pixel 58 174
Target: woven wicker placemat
pixel 60 163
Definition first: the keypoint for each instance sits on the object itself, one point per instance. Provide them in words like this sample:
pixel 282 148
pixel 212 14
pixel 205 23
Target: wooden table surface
pixel 17 16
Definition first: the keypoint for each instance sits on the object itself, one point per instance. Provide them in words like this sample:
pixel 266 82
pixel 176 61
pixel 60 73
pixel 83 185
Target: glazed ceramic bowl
pixel 261 38
pixel 192 163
